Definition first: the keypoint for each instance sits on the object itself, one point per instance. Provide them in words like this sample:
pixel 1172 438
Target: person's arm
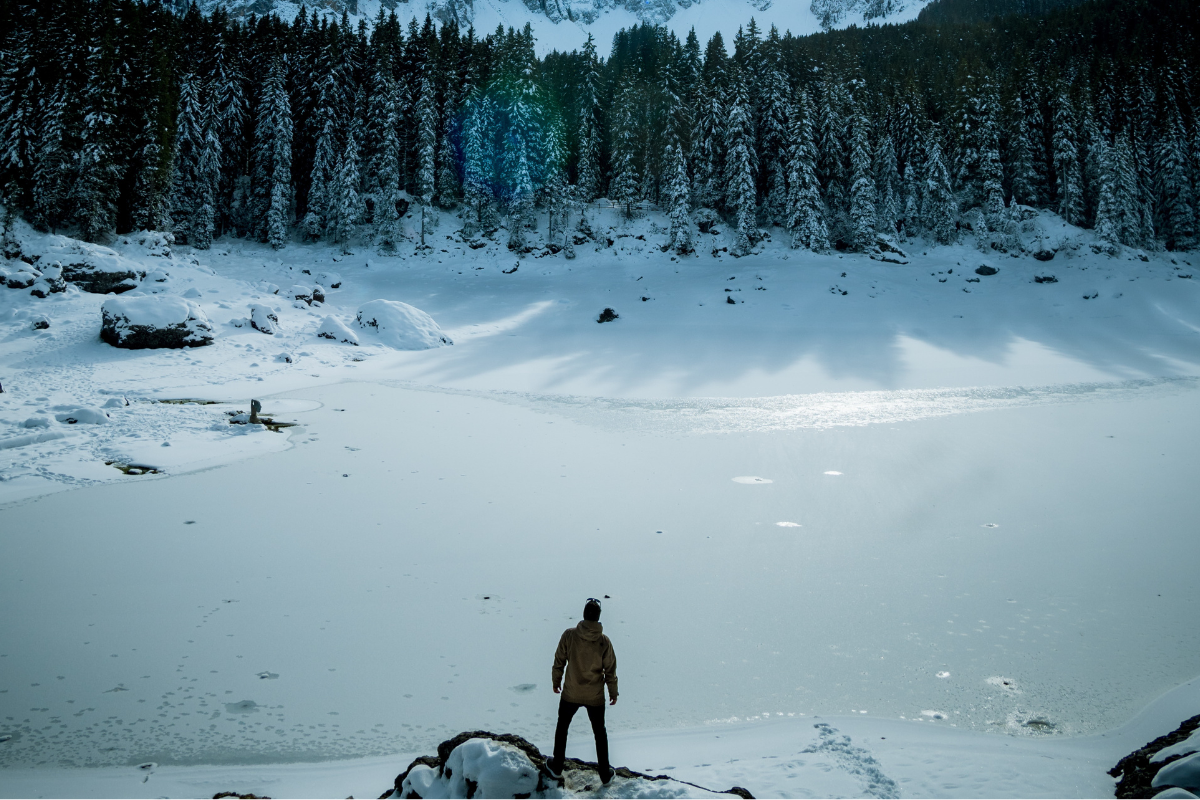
pixel 560 661
pixel 609 662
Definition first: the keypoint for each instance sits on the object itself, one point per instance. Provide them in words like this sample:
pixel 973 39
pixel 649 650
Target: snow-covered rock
pixel 330 280
pixel 22 278
pixel 264 319
pixel 93 268
pixel 154 321
pixel 40 323
pixel 51 282
pixel 1170 762
pixel 1182 774
pixel 83 416
pixel 401 326
pixel 149 243
pixel 333 328
pixel 36 422
pixel 302 293
pixel 483 764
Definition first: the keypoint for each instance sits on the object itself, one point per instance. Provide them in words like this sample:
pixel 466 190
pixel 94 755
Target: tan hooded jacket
pixel 591 664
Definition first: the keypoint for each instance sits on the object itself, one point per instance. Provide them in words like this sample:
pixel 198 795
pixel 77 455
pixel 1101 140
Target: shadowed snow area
pixel 951 519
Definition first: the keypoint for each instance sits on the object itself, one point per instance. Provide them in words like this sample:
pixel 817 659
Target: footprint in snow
pixel 268 676
pixel 751 479
pixel 523 688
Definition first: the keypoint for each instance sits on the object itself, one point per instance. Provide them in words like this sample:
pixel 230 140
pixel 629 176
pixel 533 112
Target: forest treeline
pixel 119 114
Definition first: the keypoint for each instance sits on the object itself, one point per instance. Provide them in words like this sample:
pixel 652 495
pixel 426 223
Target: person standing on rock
pixel 590 665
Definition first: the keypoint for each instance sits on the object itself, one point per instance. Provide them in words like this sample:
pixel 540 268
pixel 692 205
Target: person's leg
pixel 596 716
pixel 566 711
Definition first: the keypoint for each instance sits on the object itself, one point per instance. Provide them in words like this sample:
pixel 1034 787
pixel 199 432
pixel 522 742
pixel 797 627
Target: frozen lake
pixel 405 571
pixel 910 502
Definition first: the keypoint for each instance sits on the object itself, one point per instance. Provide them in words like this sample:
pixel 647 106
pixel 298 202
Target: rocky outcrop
pixel 1137 771
pixel 263 319
pixel 94 269
pixel 485 764
pixel 154 321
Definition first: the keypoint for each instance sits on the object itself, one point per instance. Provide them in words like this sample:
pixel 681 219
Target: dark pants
pixel 566 712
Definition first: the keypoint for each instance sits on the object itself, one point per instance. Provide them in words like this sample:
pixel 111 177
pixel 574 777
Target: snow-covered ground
pixel 971 536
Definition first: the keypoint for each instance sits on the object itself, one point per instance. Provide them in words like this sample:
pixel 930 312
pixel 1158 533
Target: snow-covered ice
pixel 412 546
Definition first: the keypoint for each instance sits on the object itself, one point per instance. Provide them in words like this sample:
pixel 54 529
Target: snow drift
pixel 401 326
pixel 484 764
pixel 154 321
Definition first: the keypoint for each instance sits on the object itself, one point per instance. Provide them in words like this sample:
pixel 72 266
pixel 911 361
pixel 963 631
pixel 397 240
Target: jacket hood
pixel 589 631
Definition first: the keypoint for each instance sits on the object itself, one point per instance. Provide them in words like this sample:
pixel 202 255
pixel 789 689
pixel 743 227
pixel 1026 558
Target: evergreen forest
pixel 120 115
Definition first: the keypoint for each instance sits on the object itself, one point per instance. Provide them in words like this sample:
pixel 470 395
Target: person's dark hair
pixel 591 611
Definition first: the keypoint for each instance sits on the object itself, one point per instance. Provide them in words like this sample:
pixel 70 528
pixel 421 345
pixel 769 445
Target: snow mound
pixel 483 764
pixel 263 319
pixel 154 321
pixel 85 416
pixel 333 328
pixel 1181 774
pixel 401 326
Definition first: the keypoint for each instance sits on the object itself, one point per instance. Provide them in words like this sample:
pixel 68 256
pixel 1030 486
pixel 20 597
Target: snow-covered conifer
pixel 345 208
pixel 678 199
pixel 1067 167
pixel 862 188
pixel 806 212
pixel 739 169
pixel 940 209
pixel 1176 197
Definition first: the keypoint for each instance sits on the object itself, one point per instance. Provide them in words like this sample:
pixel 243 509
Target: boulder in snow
pixel 150 243
pixel 95 269
pixel 40 323
pixel 263 319
pixel 483 764
pixel 84 416
pixel 22 278
pixel 301 292
pixel 984 269
pixel 36 422
pixel 51 282
pixel 154 321
pixel 333 328
pixel 330 280
pixel 401 326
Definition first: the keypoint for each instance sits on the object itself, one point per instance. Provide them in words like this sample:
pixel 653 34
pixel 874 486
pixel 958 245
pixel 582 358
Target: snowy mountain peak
pixel 565 24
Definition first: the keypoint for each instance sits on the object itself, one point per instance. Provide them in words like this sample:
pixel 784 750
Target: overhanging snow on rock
pixel 154 321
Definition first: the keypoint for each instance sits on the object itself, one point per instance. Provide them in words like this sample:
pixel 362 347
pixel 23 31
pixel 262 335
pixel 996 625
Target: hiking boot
pixel 553 769
pixel 606 775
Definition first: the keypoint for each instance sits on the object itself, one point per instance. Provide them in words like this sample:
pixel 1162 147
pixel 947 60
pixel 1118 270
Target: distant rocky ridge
pixel 828 12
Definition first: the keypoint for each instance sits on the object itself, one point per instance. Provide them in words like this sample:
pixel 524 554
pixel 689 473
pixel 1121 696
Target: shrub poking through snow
pixel 263 319
pixel 336 330
pixel 608 315
pixel 401 326
pixel 154 321
pixel 483 764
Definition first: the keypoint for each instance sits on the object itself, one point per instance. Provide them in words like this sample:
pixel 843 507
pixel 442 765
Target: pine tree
pixel 479 166
pixel 19 91
pixel 678 200
pixel 862 189
pixel 324 162
pixel 521 193
pixel 207 181
pixel 588 181
pixel 387 194
pixel 94 194
pixel 739 169
pixel 1067 167
pixel 887 186
pixel 448 187
pixel 806 213
pixel 1176 197
pixel 426 177
pixel 773 135
pixel 940 209
pixel 626 183
pixel 51 169
pixel 830 131
pixel 273 159
pixel 346 207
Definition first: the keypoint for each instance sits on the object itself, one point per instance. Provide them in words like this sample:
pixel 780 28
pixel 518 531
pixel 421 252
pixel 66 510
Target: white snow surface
pixel 1184 773
pixel 263 614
